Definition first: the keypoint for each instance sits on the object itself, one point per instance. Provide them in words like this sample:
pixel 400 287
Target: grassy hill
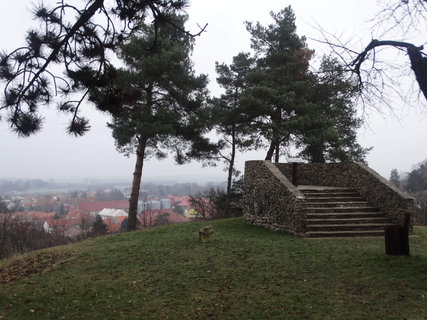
pixel 247 273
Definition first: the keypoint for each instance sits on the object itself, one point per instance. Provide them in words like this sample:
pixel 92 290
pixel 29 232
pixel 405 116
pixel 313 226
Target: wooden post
pixel 295 174
pixel 397 238
pixel 392 240
pixel 404 236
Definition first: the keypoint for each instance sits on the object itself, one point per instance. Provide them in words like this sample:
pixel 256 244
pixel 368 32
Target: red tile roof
pixel 62 222
pixel 180 201
pixel 76 213
pixel 153 214
pixel 99 205
pixel 36 215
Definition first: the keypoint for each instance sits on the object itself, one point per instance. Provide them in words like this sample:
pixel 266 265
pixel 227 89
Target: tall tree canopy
pixel 160 98
pixel 327 124
pixel 230 117
pixel 417 179
pixel 395 177
pixel 291 106
pixel 79 42
pixel 279 80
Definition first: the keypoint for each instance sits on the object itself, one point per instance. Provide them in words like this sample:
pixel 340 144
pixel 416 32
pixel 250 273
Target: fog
pixel 398 136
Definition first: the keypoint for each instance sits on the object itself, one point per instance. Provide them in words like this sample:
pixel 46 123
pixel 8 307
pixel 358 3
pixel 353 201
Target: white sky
pixel 399 140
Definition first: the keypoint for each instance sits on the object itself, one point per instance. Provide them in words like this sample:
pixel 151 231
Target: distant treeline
pixel 24 185
pixel 177 189
pixel 414 182
pixel 34 185
pixel 150 189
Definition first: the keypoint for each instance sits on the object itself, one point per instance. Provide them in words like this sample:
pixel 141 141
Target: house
pixel 33 216
pixel 68 228
pixel 182 203
pixel 97 206
pixel 113 218
pixel 113 222
pixel 148 217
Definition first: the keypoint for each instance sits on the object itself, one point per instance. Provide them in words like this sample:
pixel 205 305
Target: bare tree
pixel 4 233
pixel 202 206
pixel 60 230
pixel 421 207
pixel 406 16
pixel 376 76
pixel 417 58
pixel 85 222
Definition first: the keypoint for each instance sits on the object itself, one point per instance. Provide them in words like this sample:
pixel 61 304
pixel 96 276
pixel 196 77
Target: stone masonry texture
pixel 272 201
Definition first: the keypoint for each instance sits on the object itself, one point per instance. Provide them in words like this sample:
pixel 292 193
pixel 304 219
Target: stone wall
pixel 316 174
pixel 270 199
pixel 379 191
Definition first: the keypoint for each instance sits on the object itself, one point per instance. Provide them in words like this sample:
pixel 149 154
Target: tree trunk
pixel 276 158
pixel 274 144
pixel 270 151
pixel 418 61
pixel 136 184
pixel 230 173
pixel 419 65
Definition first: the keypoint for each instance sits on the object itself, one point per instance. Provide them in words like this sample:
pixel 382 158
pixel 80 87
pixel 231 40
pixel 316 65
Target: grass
pixel 247 273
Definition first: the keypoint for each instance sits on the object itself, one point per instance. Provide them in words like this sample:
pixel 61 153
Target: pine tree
pixel 291 106
pixel 99 228
pixel 395 177
pixel 417 179
pixel 161 101
pixel 326 126
pixel 279 80
pixel 66 55
pixel 230 116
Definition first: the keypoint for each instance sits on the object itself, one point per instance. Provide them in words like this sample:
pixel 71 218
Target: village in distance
pixel 44 213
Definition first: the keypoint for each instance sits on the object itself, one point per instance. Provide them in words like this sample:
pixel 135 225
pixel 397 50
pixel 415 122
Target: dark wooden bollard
pixel 397 239
pixel 404 241
pixel 392 240
pixel 295 174
pixel 404 237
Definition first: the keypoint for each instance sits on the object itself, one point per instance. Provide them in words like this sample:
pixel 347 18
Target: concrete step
pixel 348 227
pixel 358 233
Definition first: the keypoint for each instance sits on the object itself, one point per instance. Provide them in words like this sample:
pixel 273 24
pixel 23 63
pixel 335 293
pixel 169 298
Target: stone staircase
pixel 341 212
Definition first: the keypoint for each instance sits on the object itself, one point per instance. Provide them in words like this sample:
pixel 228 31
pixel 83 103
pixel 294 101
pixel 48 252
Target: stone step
pixel 325 190
pixel 328 221
pixel 328 191
pixel 341 212
pixel 345 215
pixel 341 209
pixel 348 227
pixel 358 233
pixel 334 199
pixel 308 189
pixel 339 204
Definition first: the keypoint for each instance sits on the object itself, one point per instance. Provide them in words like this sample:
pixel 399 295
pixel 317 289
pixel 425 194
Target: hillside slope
pixel 247 273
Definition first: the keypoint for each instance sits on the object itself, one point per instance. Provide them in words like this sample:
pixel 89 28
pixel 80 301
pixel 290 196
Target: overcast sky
pixel 399 140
